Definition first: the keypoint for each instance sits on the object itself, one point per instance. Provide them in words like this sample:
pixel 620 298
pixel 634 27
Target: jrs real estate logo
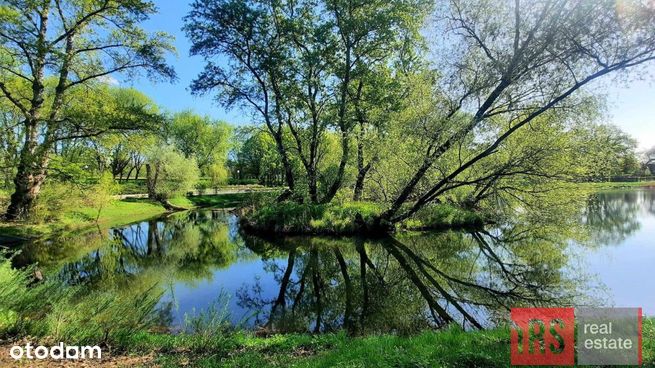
pixel 543 336
pixel 548 336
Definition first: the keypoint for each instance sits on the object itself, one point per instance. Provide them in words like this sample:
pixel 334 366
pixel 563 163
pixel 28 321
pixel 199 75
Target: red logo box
pixel 543 336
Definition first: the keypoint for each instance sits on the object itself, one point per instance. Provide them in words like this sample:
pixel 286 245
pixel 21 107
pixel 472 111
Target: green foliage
pixel 305 218
pixel 604 151
pixel 56 65
pixel 257 160
pixel 350 217
pixel 58 312
pixel 99 316
pixel 437 216
pixel 217 174
pixel 55 201
pixel 17 300
pixel 101 194
pixel 212 321
pixel 171 173
pixel 200 137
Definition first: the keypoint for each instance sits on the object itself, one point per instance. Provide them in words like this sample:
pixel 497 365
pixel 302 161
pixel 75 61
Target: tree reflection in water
pixel 409 282
pixel 402 284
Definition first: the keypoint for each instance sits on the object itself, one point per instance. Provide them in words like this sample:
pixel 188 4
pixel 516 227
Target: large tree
pixel 72 44
pixel 297 65
pixel 512 62
pixel 201 137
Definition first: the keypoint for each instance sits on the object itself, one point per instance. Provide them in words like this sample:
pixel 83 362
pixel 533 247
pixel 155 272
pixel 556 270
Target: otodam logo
pixel 548 336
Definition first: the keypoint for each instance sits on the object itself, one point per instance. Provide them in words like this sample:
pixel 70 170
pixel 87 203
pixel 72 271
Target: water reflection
pixel 409 282
pixel 613 216
pixel 402 283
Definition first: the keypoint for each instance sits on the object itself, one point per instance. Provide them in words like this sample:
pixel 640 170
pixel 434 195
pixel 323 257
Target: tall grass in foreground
pixel 54 311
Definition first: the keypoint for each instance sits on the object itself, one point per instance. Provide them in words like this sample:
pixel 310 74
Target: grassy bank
pixel 616 185
pixel 116 213
pixel 450 347
pixel 447 348
pixel 349 218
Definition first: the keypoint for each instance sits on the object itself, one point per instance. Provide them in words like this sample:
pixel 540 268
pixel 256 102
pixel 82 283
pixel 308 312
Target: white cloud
pixel 108 79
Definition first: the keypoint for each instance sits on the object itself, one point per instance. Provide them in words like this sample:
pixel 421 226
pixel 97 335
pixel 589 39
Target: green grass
pixel 450 347
pixel 616 185
pixel 215 201
pixel 347 218
pixel 115 214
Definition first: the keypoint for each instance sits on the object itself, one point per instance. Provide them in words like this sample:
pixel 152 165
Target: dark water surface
pixel 200 261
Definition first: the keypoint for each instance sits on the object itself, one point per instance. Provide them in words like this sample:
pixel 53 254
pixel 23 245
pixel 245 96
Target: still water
pixel 200 261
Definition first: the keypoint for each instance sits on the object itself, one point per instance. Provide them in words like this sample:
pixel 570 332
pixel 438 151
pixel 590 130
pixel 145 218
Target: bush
pixel 303 218
pixel 54 201
pixel 441 215
pixel 174 173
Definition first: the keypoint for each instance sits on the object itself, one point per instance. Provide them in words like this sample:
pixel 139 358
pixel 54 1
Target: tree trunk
pixel 129 173
pixel 30 174
pixel 362 169
pixel 336 185
pixel 288 170
pixel 27 186
pixel 151 181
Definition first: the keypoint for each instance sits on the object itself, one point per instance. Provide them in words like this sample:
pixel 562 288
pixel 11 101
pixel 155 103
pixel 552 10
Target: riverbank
pixel 349 218
pixel 617 185
pixel 116 213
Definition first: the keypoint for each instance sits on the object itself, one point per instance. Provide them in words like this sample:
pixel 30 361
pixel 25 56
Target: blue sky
pixel 631 106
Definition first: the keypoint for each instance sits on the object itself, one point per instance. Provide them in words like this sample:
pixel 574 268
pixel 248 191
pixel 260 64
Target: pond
pixel 199 262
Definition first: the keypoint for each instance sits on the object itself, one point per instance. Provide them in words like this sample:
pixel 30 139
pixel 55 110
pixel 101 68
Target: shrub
pixel 100 195
pixel 54 201
pixel 172 173
pixel 304 218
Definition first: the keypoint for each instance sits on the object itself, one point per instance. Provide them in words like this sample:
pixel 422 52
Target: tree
pixel 169 173
pixel 514 62
pixel 201 137
pixel 51 50
pixel 100 195
pixel 605 151
pixel 294 65
pixel 217 176
pixel 256 157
